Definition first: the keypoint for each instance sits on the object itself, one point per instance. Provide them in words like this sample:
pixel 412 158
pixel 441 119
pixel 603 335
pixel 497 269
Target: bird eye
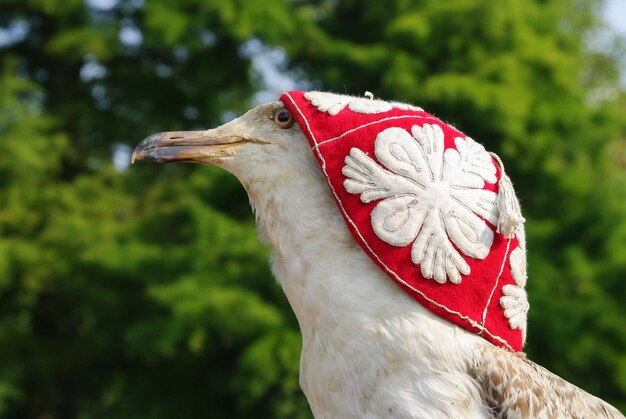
pixel 283 118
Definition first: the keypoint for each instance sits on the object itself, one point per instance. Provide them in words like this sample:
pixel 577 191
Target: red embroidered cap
pixel 428 204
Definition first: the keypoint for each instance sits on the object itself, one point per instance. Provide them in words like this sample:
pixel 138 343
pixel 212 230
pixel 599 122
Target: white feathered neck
pixel 369 350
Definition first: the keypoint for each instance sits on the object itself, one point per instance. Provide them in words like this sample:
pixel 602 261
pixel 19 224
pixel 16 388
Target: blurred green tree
pixel 144 292
pixel 138 293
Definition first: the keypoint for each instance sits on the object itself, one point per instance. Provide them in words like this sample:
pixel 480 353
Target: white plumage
pixel 369 350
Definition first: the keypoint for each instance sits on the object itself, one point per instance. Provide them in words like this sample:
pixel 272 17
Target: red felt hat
pixel 428 204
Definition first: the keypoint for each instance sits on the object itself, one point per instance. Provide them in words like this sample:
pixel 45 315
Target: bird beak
pixel 188 146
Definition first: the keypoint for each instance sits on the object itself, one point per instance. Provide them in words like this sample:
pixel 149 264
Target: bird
pixel 377 214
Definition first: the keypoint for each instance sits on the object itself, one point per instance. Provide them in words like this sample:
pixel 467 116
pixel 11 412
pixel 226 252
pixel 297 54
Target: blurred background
pixel 142 292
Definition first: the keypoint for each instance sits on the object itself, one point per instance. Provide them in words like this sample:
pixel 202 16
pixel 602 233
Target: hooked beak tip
pixel 163 147
pixel 189 146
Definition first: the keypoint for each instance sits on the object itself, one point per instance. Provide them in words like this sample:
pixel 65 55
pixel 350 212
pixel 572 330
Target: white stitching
pixel 391 118
pixel 493 290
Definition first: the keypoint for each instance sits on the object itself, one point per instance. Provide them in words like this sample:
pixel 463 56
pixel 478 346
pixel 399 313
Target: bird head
pixel 258 148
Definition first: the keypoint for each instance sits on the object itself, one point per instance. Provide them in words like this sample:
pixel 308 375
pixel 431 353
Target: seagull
pixel 384 224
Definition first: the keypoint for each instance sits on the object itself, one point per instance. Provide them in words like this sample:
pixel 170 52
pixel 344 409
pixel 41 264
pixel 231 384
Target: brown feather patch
pixel 515 387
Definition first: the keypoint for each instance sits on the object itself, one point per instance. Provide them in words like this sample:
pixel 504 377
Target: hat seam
pixel 391 118
pixel 495 285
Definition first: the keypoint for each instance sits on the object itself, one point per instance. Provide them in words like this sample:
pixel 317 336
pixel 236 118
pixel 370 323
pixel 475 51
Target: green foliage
pixel 144 293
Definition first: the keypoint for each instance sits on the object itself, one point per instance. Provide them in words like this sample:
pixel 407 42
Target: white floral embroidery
pixel 517 260
pixel 515 301
pixel 333 104
pixel 430 197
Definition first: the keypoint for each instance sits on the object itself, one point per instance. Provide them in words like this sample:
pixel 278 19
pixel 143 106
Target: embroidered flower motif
pixel 333 104
pixel 515 301
pixel 429 197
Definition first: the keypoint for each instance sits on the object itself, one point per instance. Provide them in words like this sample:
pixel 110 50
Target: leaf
pixel 515 305
pixel 396 149
pixel 366 177
pixel 397 220
pixel 333 103
pixel 434 253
